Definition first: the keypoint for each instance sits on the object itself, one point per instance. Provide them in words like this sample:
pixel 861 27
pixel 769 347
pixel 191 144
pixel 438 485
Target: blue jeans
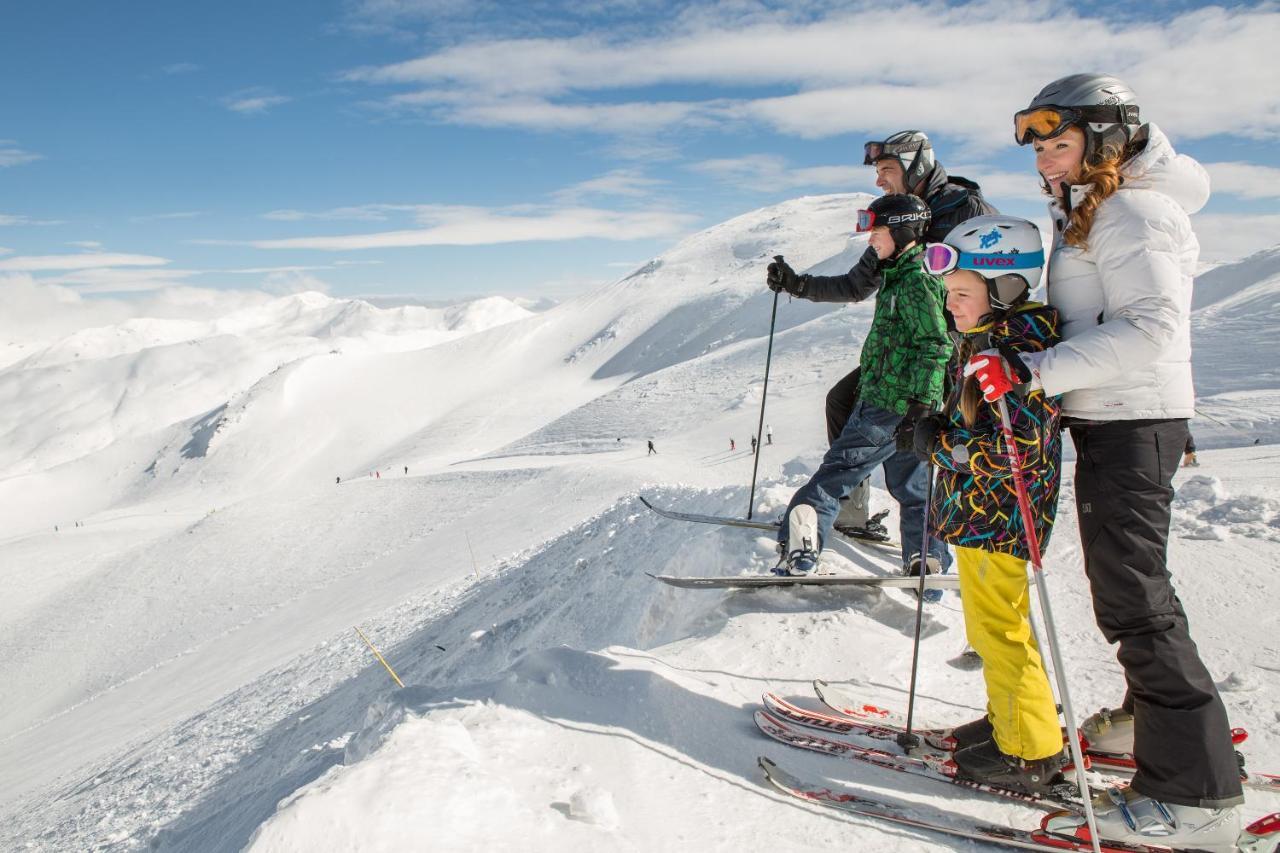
pixel 865 442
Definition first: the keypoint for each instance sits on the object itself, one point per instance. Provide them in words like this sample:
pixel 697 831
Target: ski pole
pixel 1051 633
pixel 906 739
pixel 1223 423
pixel 768 360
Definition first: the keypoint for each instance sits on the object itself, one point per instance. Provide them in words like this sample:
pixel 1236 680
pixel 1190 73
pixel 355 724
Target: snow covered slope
pixel 181 671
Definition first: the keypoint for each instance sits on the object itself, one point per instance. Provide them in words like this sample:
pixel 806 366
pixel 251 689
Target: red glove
pixel 993 374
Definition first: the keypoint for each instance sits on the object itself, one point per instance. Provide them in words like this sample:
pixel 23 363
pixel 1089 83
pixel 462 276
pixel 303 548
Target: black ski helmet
pixel 906 216
pixel 912 150
pixel 1108 110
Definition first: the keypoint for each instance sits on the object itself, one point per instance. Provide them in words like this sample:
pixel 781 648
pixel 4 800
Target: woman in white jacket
pixel 1120 275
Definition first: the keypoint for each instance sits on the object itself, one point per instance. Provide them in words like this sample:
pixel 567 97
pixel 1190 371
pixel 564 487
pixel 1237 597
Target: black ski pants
pixel 1182 739
pixel 840 401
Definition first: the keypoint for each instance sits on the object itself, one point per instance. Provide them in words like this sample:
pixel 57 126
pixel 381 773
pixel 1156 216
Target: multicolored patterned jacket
pixel 975 504
pixel 904 357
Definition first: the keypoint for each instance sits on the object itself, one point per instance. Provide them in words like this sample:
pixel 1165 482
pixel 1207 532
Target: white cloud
pixel 4 251
pixel 156 217
pixel 285 282
pixel 448 225
pixel 253 101
pixel 819 74
pixel 118 279
pixel 628 183
pixel 180 68
pixel 359 213
pixel 32 310
pixel 1230 236
pixel 15 219
pixel 770 173
pixel 85 244
pixel 84 261
pixel 12 155
pixel 1246 180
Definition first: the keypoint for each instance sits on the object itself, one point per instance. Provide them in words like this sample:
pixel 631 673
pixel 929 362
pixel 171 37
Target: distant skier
pixel 903 362
pixel 732 446
pixel 406 470
pixel 1189 452
pixel 652 449
pixel 337 480
pixel 1017 744
pixel 377 475
pixel 768 434
pixel 753 445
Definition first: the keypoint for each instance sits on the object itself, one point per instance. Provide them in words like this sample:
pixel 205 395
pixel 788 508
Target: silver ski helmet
pixel 906 216
pixel 1005 250
pixel 1102 106
pixel 913 151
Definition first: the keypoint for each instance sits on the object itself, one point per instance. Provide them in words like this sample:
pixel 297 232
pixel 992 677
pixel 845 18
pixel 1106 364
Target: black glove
pixel 925 436
pixel 782 277
pixel 904 435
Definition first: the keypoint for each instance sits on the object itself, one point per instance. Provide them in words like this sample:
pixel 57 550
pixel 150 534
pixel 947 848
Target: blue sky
pixel 440 149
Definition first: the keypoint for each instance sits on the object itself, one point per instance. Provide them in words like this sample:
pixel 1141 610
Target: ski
pixel 936 767
pixel 772 526
pixel 855 801
pixel 880 723
pixel 938 740
pixel 711 519
pixel 764 581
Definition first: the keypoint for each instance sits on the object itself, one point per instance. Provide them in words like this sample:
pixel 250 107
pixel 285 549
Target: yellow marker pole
pixel 379 656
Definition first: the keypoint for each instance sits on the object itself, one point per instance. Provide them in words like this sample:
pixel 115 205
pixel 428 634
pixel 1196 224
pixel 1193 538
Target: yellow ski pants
pixel 996 597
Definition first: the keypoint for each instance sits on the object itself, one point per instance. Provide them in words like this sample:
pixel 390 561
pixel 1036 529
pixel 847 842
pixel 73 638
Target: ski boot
pixel 932 566
pixel 984 762
pixel 1109 731
pixel 802 528
pixel 963 735
pixel 872 531
pixel 1126 817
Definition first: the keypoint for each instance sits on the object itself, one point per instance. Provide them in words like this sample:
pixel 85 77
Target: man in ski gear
pixel 652 449
pixel 904 163
pixel 1121 275
pixel 989 265
pixel 903 361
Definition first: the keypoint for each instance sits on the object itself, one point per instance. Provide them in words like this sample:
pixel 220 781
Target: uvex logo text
pixel 992 261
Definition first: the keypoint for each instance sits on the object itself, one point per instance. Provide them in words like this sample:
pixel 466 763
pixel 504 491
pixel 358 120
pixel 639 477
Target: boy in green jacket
pixel 903 363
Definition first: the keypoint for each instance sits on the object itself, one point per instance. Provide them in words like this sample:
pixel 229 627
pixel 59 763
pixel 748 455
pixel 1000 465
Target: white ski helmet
pixel 1005 250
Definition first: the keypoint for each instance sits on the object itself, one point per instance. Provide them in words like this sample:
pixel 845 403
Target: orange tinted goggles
pixel 1047 122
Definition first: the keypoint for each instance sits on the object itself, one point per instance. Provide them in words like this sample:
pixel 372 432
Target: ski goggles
pixel 873 151
pixel 867 219
pixel 1047 122
pixel 940 259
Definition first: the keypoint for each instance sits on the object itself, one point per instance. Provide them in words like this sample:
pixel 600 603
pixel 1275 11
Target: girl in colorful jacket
pixel 989 265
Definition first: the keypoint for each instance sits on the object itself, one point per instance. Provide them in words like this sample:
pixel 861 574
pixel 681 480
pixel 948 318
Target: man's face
pixel 889 176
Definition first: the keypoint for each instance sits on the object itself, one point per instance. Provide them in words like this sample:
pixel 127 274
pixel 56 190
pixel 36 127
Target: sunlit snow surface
pixel 180 672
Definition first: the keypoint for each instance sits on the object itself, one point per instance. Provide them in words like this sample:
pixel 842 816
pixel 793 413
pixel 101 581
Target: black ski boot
pixel 873 531
pixel 971 733
pixel 984 762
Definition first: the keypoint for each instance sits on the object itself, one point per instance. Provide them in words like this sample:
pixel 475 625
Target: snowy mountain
pixel 181 670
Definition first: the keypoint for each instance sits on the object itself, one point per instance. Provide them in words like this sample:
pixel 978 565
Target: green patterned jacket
pixel 904 357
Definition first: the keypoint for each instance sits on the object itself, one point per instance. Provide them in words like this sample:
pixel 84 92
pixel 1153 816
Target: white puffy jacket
pixel 1125 302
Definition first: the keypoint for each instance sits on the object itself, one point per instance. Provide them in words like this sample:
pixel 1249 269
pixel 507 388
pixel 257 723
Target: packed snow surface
pixel 233 496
